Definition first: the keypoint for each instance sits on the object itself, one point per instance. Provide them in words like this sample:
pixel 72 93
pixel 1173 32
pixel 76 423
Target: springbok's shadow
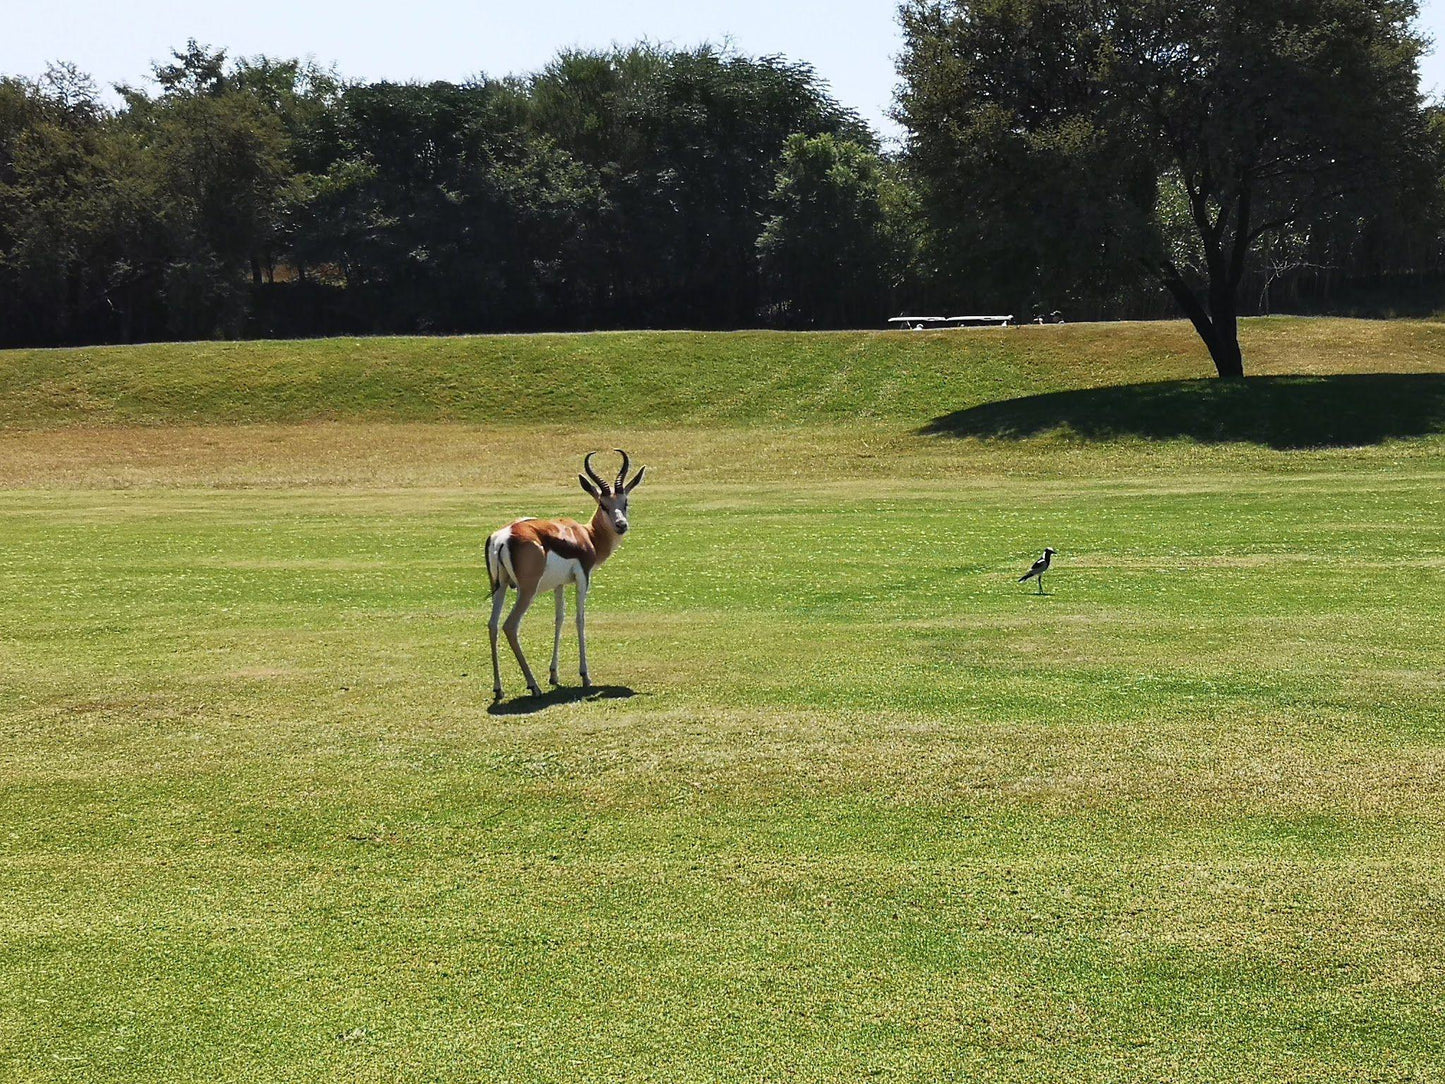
pixel 527 704
pixel 1283 412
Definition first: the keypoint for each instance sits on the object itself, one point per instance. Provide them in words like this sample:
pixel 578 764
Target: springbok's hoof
pixel 553 680
pixel 535 690
pixel 496 695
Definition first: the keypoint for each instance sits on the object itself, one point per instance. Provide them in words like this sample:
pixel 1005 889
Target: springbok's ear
pixel 636 481
pixel 590 489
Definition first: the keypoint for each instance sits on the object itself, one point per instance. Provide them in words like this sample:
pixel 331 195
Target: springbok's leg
pixel 499 600
pixel 510 626
pixel 557 637
pixel 582 631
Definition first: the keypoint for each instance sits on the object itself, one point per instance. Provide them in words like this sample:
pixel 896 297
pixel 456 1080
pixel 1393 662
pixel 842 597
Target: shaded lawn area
pixel 1280 412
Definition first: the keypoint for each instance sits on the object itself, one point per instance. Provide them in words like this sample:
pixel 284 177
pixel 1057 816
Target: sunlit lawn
pixel 853 804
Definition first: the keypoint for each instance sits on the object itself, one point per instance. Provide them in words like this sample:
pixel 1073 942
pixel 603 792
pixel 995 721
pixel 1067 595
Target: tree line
pixel 641 187
pixel 1104 157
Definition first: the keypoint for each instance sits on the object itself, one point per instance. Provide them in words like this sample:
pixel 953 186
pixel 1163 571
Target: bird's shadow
pixel 566 694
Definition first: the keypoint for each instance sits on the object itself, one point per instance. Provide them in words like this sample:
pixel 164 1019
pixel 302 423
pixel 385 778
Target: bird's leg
pixel 1041 583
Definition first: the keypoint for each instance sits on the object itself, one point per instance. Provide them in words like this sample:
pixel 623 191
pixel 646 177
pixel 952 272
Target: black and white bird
pixel 1039 568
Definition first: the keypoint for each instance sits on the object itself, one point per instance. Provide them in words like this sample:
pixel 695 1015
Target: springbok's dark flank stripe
pixel 566 538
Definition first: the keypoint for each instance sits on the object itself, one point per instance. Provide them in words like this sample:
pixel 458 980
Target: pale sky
pixel 852 44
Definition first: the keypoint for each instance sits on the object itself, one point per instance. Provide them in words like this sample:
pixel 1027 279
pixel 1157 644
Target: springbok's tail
pixel 495 572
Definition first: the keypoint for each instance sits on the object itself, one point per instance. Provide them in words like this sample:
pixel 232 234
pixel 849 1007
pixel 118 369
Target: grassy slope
pixel 874 810
pixel 645 378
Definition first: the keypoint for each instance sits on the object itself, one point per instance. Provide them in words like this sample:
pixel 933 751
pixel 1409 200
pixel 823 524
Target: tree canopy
pixel 1095 156
pixel 827 250
pixel 261 196
pixel 1184 140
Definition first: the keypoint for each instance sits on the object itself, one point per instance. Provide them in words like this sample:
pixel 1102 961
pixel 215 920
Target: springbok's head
pixel 611 497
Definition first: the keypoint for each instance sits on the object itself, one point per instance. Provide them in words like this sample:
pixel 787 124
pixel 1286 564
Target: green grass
pixel 662 378
pixel 856 804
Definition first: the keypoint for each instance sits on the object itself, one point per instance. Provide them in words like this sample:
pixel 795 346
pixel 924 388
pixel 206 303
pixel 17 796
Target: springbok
pixel 534 555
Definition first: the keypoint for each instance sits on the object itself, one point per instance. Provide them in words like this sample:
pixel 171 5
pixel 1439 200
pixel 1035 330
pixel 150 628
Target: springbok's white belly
pixel 558 571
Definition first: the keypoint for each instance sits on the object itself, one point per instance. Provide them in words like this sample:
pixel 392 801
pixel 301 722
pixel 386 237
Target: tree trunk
pixel 1218 325
pixel 1228 360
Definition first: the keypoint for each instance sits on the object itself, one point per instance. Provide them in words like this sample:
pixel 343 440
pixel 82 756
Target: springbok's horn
pixel 587 466
pixel 622 474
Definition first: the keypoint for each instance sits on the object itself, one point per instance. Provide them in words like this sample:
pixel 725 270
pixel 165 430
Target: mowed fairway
pixel 851 803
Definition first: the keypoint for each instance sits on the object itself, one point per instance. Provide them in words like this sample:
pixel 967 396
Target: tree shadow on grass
pixel 566 694
pixel 1283 412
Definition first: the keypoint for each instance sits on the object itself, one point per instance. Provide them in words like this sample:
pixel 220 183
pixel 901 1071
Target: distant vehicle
pixel 931 323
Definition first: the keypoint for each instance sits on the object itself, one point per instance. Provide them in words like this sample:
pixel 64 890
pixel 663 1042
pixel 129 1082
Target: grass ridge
pixel 662 378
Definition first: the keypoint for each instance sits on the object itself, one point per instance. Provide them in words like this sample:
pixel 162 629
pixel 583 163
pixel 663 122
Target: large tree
pixel 79 224
pixel 218 151
pixel 1099 127
pixel 686 146
pixel 826 254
